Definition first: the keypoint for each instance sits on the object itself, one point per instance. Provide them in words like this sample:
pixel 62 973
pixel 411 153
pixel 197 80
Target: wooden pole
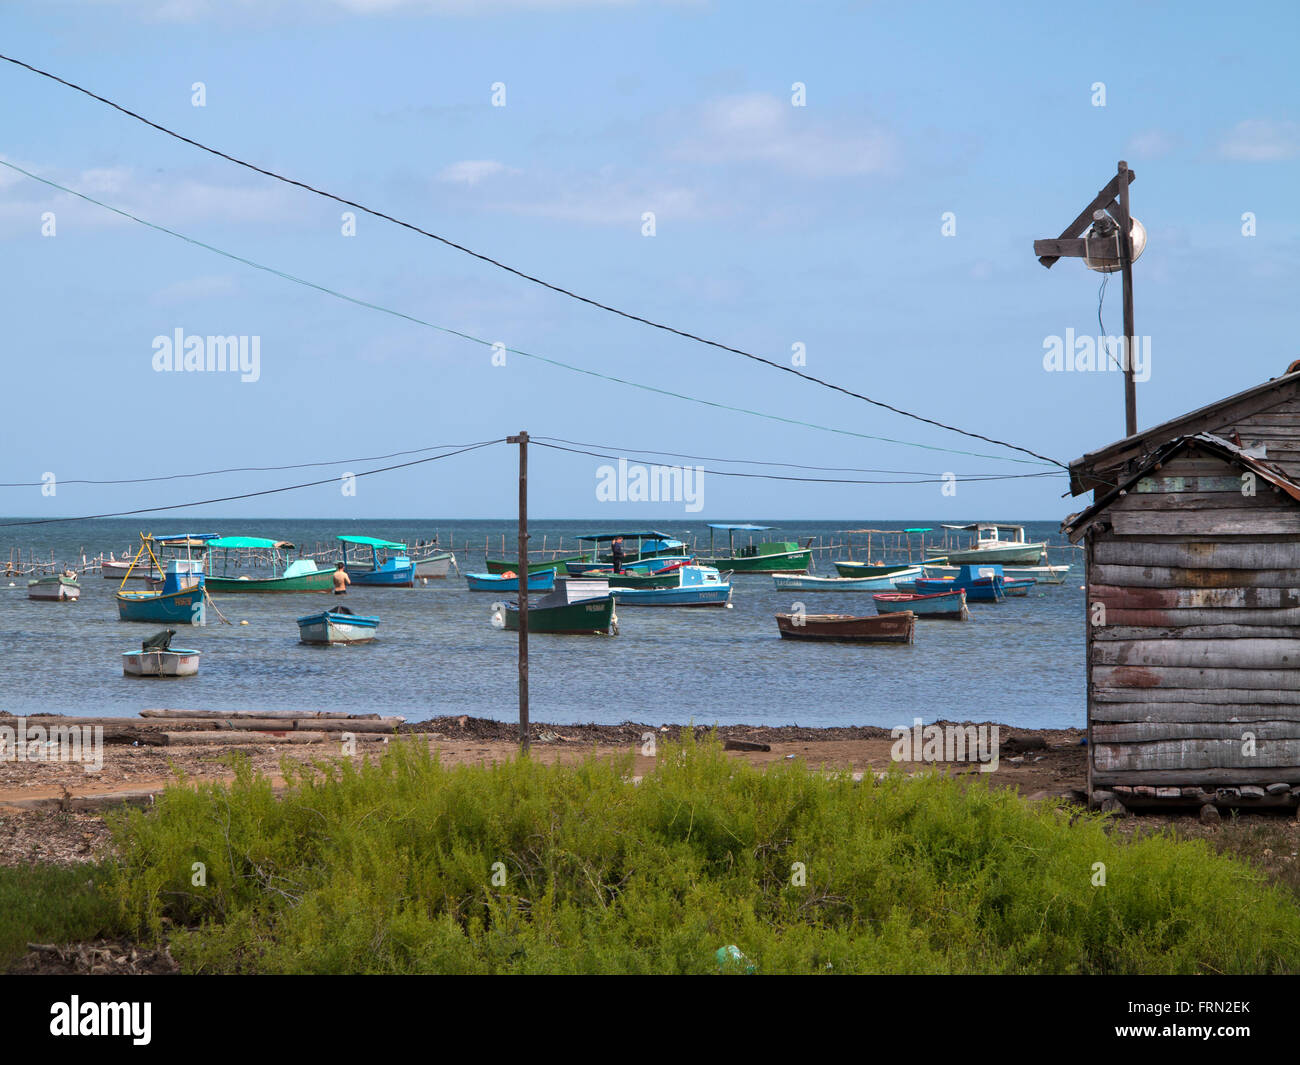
pixel 522 441
pixel 1126 269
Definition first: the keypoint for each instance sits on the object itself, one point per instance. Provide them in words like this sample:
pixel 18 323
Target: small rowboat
pixel 881 583
pixel 57 587
pixel 886 628
pixel 434 566
pixel 502 582
pixel 946 606
pixel 175 662
pixel 879 569
pixel 339 625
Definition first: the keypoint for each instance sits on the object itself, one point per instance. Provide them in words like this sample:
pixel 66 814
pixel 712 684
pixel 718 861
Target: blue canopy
pixel 741 528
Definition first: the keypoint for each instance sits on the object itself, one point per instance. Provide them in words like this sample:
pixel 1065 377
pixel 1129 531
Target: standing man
pixel 341 580
pixel 616 554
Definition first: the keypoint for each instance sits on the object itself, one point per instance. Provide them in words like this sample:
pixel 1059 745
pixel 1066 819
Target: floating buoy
pixel 424 581
pixel 243 622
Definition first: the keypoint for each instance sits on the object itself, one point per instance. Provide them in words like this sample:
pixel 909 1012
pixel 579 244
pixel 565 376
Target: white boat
pixel 174 662
pixel 58 587
pixel 802 583
pixel 1003 544
pixel 339 625
pixel 1044 574
pixel 435 566
pixel 114 570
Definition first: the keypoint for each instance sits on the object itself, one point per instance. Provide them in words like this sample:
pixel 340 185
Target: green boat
pixel 553 613
pixel 300 576
pixel 497 565
pixel 779 556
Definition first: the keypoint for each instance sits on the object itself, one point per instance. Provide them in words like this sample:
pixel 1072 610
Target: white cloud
pixel 196 10
pixel 472 171
pixel 1261 140
pixel 1151 144
pixel 762 128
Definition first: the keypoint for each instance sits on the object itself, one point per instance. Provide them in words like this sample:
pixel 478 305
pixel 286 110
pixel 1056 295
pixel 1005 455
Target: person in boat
pixel 341 579
pixel 616 554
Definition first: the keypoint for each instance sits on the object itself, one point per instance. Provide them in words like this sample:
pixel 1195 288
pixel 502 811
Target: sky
pixel 852 187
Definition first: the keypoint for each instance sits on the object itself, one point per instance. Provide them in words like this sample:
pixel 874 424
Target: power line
pixel 813 480
pixel 790 465
pixel 251 495
pixel 235 469
pixel 486 343
pixel 522 274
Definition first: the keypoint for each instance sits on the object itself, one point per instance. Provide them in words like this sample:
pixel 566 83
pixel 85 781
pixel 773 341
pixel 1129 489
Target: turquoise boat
pixel 500 582
pixel 695 586
pixel 394 570
pixel 302 575
pixel 178 602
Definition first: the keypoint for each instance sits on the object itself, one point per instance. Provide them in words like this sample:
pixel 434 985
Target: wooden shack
pixel 1192 554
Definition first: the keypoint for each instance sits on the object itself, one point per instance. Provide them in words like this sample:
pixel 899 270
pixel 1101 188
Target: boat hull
pixel 320 581
pixel 328 627
pixel 842 584
pixel 982 590
pixel 436 567
pixel 175 662
pixel 171 608
pixel 392 574
pixel 585 617
pixel 777 562
pixel 943 606
pixel 116 571
pixel 1041 574
pixel 491 582
pixel 497 565
pixel 54 589
pixel 1005 554
pixel 884 569
pixel 846 628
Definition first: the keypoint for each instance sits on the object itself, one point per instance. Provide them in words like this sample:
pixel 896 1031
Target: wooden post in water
pixel 522 441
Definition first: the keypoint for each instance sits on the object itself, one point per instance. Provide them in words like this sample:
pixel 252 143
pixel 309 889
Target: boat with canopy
pixel 301 575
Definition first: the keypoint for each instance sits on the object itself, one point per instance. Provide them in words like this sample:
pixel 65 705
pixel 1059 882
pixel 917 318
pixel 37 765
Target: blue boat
pixel 394 570
pixel 500 582
pixel 950 606
pixel 984 583
pixel 339 625
pixel 696 586
pixel 653 550
pixel 799 582
pixel 178 602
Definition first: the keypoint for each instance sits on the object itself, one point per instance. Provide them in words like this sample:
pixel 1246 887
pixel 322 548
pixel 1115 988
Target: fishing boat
pixel 509 582
pixel 302 575
pixel 158 658
pixel 389 569
pixel 1018 586
pixel 116 570
pixel 693 586
pixel 433 565
pixel 876 628
pixel 880 569
pixel 1004 544
pixel 61 587
pixel 178 602
pixel 339 625
pixel 981 583
pixel 501 565
pixel 644 552
pixel 804 583
pixel 578 606
pixel 945 606
pixel 780 556
pixel 1045 574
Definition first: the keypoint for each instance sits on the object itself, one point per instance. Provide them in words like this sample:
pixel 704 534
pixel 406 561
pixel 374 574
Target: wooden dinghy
pixel 59 587
pixel 158 658
pixel 946 606
pixel 879 628
pixel 339 625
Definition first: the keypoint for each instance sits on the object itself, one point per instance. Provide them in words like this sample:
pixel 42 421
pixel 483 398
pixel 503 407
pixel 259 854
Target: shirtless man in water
pixel 341 579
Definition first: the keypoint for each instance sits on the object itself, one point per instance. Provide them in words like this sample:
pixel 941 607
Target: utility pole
pixel 1107 246
pixel 522 441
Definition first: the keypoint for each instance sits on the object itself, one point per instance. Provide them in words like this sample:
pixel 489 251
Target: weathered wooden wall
pixel 1194 671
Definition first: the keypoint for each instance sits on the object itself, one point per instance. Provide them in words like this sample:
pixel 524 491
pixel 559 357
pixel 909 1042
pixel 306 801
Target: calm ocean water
pixel 1018 662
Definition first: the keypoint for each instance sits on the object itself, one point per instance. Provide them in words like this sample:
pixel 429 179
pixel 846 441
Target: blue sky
pixel 775 225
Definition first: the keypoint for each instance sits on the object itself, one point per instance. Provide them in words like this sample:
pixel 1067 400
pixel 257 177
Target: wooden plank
pixel 1265 497
pixel 1119 598
pixel 1110 633
pixel 1272 654
pixel 1281 555
pixel 1238 713
pixel 1210 778
pixel 1084 219
pixel 1185 677
pixel 303 714
pixel 1181 577
pixel 1196 694
pixel 1210 616
pixel 1270 757
pixel 1236 522
pixel 1199 484
pixel 1157 731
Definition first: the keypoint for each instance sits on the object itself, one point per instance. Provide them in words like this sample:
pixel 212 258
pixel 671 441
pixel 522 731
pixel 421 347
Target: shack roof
pixel 1075 525
pixel 1096 469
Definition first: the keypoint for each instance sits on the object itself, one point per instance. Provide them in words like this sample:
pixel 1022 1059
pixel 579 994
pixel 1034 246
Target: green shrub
pixel 388 867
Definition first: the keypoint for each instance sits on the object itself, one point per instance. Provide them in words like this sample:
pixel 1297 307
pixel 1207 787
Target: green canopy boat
pixel 299 576
pixel 780 556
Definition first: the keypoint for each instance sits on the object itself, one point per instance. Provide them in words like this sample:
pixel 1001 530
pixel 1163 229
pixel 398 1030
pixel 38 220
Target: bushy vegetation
pixel 52 904
pixel 390 867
